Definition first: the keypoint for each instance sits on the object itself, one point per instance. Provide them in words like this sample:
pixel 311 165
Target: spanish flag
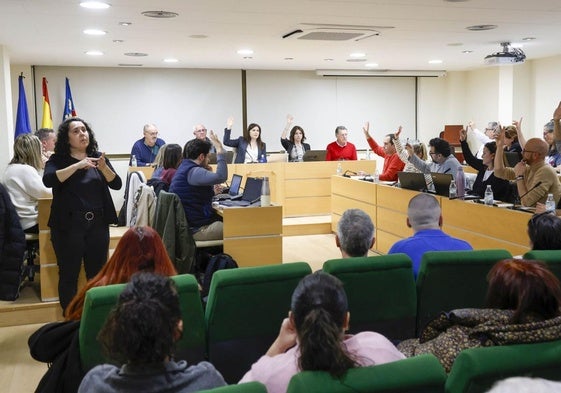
pixel 47 121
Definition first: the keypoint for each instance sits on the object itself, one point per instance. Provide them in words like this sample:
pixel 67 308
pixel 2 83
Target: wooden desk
pixel 482 226
pixel 147 170
pixel 253 235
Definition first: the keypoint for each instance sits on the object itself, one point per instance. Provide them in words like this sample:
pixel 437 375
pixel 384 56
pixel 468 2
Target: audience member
pixel 172 159
pixel 485 175
pixel 355 233
pixel 523 306
pixel 294 144
pixel 313 338
pixel 392 162
pixel 140 333
pixel 534 178
pixel 23 182
pixel 443 161
pixel 47 136
pixel 158 163
pixel 553 157
pixel 425 217
pixel 340 149
pixel 489 135
pixel 544 231
pixel 194 184
pixel 200 132
pixel 419 149
pixel 510 139
pixel 250 147
pixel 82 208
pixel 146 149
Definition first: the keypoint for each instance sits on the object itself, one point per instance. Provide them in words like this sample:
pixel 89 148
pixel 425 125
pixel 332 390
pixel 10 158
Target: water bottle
pixel 339 169
pixel 453 190
pixel 489 197
pixel 550 204
pixel 376 177
pixel 265 193
pixel 133 161
pixel 368 156
pixel 461 182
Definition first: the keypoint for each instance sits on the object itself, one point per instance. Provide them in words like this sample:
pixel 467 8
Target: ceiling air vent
pixel 332 32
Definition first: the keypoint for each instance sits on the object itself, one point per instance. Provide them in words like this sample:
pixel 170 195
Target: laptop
pixel 234 191
pixel 251 193
pixel 512 158
pixel 314 155
pixel 412 181
pixel 441 182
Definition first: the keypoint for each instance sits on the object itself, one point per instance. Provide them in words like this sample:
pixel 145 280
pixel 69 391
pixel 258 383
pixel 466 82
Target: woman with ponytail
pixel 313 338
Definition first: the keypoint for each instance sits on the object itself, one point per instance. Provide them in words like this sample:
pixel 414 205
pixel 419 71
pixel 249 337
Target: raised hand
pixel 289 119
pixel 463 134
pixel 518 123
pixel 366 129
pixel 398 132
pixel 229 123
pixel 557 112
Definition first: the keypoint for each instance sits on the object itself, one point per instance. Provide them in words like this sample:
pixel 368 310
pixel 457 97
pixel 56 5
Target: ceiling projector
pixel 509 55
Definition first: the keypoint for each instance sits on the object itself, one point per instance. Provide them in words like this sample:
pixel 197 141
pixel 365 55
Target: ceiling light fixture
pixel 136 54
pixel 125 24
pixel 118 41
pixel 94 5
pixel 245 52
pixel 481 27
pixel 371 65
pixel 435 61
pixel 94 32
pixel 160 14
pixel 170 60
pixel 94 53
pixel 357 55
pixel 528 38
pixel 467 51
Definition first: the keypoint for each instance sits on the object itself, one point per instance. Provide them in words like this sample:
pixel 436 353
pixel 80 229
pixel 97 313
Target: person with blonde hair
pixel 23 181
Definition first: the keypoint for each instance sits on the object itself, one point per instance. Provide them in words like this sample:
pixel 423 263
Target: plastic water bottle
pixel 550 204
pixel 339 169
pixel 461 182
pixel 453 190
pixel 368 156
pixel 376 177
pixel 489 197
pixel 265 193
pixel 133 161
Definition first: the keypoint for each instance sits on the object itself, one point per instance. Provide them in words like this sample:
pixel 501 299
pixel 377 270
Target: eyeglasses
pixel 200 131
pixel 528 151
pixel 433 153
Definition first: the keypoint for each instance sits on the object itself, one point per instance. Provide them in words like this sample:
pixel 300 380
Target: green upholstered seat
pixel 101 300
pixel 551 257
pixel 244 312
pixel 419 374
pixel 453 279
pixel 381 293
pixel 249 387
pixel 475 370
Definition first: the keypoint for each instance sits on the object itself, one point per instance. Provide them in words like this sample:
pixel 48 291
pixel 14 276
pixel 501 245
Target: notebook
pixel 441 182
pixel 412 181
pixel 251 193
pixel 234 191
pixel 314 155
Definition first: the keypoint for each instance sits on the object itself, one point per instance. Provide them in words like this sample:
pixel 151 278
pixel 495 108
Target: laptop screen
pixel 235 184
pixel 314 155
pixel 252 190
pixel 441 183
pixel 412 181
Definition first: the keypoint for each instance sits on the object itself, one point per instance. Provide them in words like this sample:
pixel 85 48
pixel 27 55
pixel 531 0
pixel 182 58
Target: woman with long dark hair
pixel 294 144
pixel 82 208
pixel 313 337
pixel 250 147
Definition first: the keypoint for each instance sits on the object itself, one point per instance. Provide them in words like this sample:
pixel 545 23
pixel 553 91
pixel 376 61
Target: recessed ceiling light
pixel 328 59
pixel 435 61
pixel 170 60
pixel 94 53
pixel 371 65
pixel 356 60
pixel 125 24
pixel 528 38
pixel 467 51
pixel 118 41
pixel 289 58
pixel 94 5
pixel 245 52
pixel 136 54
pixel 248 57
pixel 198 36
pixel 357 55
pixel 160 14
pixel 455 44
pixel 94 32
pixel 129 65
pixel 481 27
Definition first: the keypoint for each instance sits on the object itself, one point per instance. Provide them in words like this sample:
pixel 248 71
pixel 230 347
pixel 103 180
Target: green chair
pixel 551 257
pixel 476 370
pixel 100 301
pixel 381 293
pixel 419 374
pixel 249 387
pixel 244 312
pixel 453 279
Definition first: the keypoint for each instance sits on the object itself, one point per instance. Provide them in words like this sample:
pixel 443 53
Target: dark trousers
pixel 84 240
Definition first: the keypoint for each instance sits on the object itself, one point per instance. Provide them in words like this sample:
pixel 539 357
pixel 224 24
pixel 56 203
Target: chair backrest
pixel 453 279
pixel 422 373
pixel 381 293
pixel 101 300
pixel 248 387
pixel 475 370
pixel 551 257
pixel 244 312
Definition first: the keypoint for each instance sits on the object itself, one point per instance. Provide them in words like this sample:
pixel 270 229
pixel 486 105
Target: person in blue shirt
pixel 146 149
pixel 425 217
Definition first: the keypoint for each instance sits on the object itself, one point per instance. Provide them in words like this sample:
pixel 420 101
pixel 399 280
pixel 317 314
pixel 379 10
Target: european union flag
pixel 69 109
pixel 22 118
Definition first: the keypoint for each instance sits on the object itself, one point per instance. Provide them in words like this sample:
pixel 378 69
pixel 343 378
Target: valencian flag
pixel 22 117
pixel 69 108
pixel 47 121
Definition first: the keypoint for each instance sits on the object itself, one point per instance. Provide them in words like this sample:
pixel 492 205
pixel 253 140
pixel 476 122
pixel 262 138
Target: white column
pixel 6 113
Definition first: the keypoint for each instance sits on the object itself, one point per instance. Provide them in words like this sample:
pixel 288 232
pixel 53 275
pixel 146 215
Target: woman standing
pixel 82 207
pixel 294 145
pixel 250 146
pixel 23 182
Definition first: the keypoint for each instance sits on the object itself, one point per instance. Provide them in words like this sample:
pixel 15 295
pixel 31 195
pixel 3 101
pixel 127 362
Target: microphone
pixel 349 173
pixel 519 199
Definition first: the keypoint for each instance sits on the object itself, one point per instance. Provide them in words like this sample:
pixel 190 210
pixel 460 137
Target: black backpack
pixel 216 262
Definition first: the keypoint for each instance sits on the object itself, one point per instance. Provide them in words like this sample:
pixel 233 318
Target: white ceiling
pixel 49 32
